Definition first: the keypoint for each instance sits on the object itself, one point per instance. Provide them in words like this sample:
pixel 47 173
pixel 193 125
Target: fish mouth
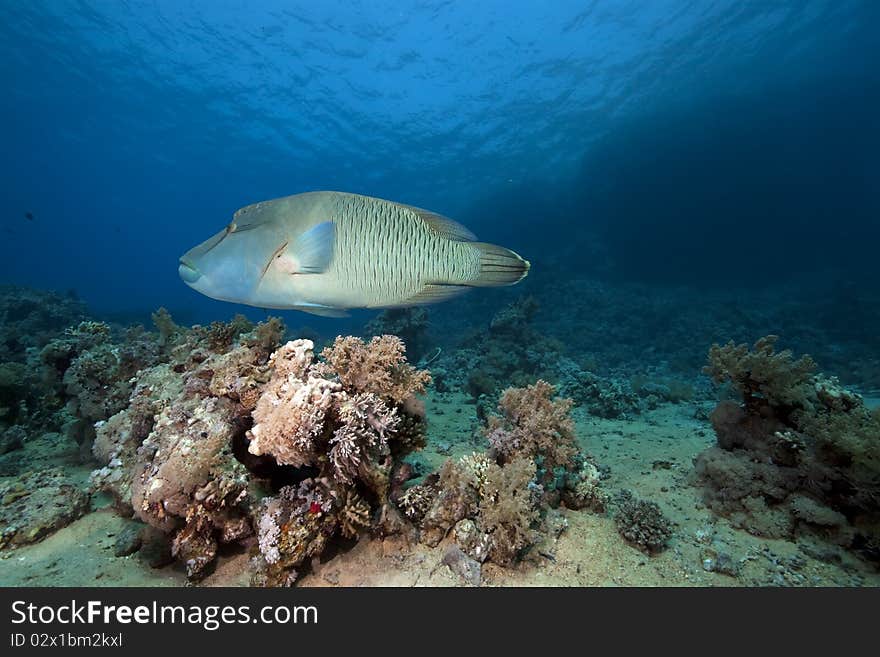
pixel 188 272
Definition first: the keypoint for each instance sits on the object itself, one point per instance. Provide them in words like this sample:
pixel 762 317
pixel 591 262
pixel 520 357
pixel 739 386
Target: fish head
pixel 229 266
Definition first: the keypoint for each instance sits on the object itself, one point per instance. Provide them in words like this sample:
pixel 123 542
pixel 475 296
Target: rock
pixel 156 549
pixel 469 570
pixel 129 540
pixel 719 562
pixel 471 540
pixel 12 438
pixel 37 504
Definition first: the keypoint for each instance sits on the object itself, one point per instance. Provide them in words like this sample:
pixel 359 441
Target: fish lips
pixel 188 272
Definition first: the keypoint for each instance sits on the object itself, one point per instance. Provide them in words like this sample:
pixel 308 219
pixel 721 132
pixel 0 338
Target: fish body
pixel 326 252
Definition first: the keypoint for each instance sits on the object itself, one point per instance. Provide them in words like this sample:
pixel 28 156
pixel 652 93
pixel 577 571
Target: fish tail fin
pixel 498 266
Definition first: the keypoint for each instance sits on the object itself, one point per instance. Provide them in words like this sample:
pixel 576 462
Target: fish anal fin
pixel 433 293
pixel 318 309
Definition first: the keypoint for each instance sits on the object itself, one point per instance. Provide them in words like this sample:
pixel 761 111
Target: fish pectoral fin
pixel 318 309
pixel 434 293
pixel 313 250
pixel 445 226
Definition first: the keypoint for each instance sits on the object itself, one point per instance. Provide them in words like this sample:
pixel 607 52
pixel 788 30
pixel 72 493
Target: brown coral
pixel 799 446
pixel 761 373
pixel 508 511
pixel 534 424
pixel 378 366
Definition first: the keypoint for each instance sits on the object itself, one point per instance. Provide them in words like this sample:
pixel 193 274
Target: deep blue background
pixel 716 143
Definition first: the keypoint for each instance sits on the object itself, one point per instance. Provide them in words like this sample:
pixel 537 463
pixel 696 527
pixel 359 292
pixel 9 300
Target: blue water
pixel 712 143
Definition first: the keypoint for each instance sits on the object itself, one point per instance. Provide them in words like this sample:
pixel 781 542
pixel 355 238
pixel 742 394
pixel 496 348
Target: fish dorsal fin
pixel 432 293
pixel 444 225
pixel 313 250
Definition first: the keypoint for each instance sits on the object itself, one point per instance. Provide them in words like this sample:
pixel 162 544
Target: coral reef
pixel 347 420
pixel 170 455
pixel 606 397
pixel 29 319
pixel 89 375
pixel 197 430
pixel 510 352
pixel 498 506
pixel 798 454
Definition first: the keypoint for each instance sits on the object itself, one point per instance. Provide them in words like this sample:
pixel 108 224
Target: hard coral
pixel 170 454
pixel 642 523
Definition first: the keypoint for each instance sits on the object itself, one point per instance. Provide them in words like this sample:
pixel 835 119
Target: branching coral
pixel 366 423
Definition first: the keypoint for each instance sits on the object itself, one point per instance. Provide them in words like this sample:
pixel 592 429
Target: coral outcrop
pixel 346 421
pixel 498 506
pixel 170 455
pixel 797 454
pixel 641 523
